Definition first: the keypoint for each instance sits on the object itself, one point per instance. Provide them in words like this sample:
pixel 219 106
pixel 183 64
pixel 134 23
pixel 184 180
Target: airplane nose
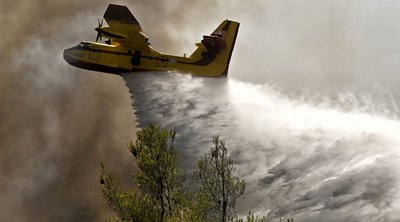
pixel 67 56
pixel 65 53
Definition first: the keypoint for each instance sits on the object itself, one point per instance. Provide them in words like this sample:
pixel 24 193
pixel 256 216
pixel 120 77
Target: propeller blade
pixel 100 24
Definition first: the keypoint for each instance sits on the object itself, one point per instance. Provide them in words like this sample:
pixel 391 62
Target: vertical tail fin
pixel 219 45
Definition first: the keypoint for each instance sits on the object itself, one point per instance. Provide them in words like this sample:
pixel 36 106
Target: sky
pixel 319 76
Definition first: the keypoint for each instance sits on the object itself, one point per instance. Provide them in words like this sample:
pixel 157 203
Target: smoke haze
pixel 316 140
pixel 58 122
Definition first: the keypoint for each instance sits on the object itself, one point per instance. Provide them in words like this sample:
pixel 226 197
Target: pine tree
pixel 129 205
pixel 158 176
pixel 220 187
pixel 160 183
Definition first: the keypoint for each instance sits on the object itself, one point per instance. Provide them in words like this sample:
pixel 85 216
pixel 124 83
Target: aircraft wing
pixel 121 20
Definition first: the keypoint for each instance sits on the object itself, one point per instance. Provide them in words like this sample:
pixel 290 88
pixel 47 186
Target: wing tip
pixel 120 13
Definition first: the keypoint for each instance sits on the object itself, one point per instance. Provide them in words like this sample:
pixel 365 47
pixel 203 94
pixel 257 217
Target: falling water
pixel 300 158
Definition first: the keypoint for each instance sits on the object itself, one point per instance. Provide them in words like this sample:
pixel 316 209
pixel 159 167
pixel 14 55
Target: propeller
pixel 100 24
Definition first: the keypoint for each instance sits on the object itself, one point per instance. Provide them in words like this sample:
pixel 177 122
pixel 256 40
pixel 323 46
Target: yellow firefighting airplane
pixel 128 49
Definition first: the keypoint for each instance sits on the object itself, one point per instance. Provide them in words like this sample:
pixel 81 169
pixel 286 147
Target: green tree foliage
pixel 161 194
pixel 161 184
pixel 220 187
pixel 158 176
pixel 129 206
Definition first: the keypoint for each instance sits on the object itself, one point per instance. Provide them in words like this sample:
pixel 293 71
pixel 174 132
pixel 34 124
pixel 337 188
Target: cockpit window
pixel 83 45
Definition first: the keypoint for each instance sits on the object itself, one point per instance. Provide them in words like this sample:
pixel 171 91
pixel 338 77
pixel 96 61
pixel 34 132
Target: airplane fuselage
pixel 115 59
pixel 128 50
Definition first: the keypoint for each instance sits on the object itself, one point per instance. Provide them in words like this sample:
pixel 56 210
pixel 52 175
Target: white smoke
pixel 300 158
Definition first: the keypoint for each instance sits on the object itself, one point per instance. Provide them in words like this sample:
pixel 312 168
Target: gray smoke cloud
pixel 337 57
pixel 58 122
pixel 300 158
pixel 305 44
